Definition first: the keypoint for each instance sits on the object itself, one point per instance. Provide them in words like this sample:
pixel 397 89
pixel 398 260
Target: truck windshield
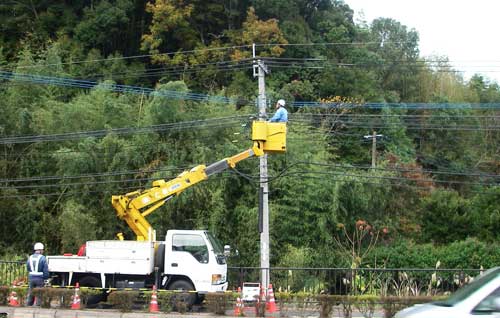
pixel 216 245
pixel 469 289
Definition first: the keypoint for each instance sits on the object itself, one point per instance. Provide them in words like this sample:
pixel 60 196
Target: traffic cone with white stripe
pixel 153 305
pixel 13 299
pixel 260 305
pixel 76 298
pixel 271 303
pixel 238 307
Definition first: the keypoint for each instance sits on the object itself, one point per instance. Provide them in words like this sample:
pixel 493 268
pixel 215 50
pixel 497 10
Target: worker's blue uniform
pixel 38 270
pixel 280 116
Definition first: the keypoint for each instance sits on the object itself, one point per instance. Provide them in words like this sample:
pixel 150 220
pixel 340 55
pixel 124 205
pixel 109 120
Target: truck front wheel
pixel 93 299
pixel 185 294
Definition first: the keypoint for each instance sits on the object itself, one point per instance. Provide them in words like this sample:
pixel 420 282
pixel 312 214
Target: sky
pixel 467 32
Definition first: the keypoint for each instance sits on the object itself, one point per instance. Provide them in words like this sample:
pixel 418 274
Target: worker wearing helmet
pixel 281 114
pixel 38 272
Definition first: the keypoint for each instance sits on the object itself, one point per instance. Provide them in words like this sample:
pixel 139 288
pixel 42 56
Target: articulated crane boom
pixel 133 207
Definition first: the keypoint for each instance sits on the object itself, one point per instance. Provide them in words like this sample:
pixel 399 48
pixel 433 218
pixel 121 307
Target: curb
pixel 27 312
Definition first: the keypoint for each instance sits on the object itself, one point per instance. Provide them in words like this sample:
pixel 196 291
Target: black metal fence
pixel 334 281
pixel 12 272
pixel 346 281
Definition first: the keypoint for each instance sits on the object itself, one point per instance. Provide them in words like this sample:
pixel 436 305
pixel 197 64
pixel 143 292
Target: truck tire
pixel 92 281
pixel 185 296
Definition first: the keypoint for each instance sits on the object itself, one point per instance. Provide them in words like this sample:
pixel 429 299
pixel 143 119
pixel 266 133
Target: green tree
pixel 485 213
pixel 105 25
pixel 255 30
pixel 396 139
pixel 73 234
pixel 168 28
pixel 398 49
pixel 445 217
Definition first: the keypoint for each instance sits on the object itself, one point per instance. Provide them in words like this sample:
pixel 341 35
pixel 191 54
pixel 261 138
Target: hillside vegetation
pixel 67 146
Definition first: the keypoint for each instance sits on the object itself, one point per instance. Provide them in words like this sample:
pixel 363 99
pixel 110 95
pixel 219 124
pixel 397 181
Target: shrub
pixel 300 302
pixel 164 300
pixel 123 300
pixel 55 297
pixel 469 253
pixel 366 304
pixel 326 304
pixel 218 303
pixel 4 295
pixel 391 305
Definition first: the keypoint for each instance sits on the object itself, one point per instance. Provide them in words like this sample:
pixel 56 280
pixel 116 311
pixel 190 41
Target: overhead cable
pixel 69 82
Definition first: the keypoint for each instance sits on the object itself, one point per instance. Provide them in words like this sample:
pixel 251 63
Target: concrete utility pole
pixel 374 137
pixel 374 149
pixel 260 70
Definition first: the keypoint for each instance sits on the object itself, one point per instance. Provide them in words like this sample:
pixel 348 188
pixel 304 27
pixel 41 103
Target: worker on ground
pixel 38 272
pixel 281 115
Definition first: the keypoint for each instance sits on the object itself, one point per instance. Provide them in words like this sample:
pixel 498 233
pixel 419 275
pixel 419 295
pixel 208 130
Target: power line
pixel 243 64
pixel 336 176
pixel 139 56
pixel 284 173
pixel 331 43
pixel 104 153
pixel 410 122
pixel 419 127
pixel 290 164
pixel 207 49
pixel 90 175
pixel 68 82
pixel 205 123
pixel 291 61
pixel 398 169
pixel 415 116
pixel 416 106
pixel 379 184
pixel 427 64
pixel 390 178
pixel 115 190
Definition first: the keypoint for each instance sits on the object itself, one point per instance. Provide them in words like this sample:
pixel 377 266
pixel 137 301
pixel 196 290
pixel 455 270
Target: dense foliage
pixel 65 150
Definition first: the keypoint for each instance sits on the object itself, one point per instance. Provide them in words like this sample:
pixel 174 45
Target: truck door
pixel 188 255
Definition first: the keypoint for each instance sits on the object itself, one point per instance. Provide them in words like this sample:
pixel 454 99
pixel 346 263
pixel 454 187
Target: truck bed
pixel 117 257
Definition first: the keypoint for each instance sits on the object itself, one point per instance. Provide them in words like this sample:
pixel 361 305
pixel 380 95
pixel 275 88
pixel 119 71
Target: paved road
pixel 27 312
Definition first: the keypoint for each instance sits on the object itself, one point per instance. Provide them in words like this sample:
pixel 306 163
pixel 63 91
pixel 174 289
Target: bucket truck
pixel 189 260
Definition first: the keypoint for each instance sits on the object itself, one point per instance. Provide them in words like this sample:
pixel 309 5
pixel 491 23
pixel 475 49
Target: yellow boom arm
pixel 133 207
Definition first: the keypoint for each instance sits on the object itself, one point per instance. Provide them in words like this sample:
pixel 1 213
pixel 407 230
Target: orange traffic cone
pixel 13 299
pixel 76 298
pixel 238 307
pixel 271 303
pixel 262 297
pixel 260 304
pixel 153 305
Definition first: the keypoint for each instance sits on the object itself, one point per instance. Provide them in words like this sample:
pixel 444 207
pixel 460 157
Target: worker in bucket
pixel 38 272
pixel 281 114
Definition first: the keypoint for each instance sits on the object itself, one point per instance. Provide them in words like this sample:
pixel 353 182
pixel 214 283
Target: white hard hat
pixel 38 246
pixel 281 102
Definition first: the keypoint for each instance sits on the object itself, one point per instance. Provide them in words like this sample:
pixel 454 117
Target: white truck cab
pixel 199 256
